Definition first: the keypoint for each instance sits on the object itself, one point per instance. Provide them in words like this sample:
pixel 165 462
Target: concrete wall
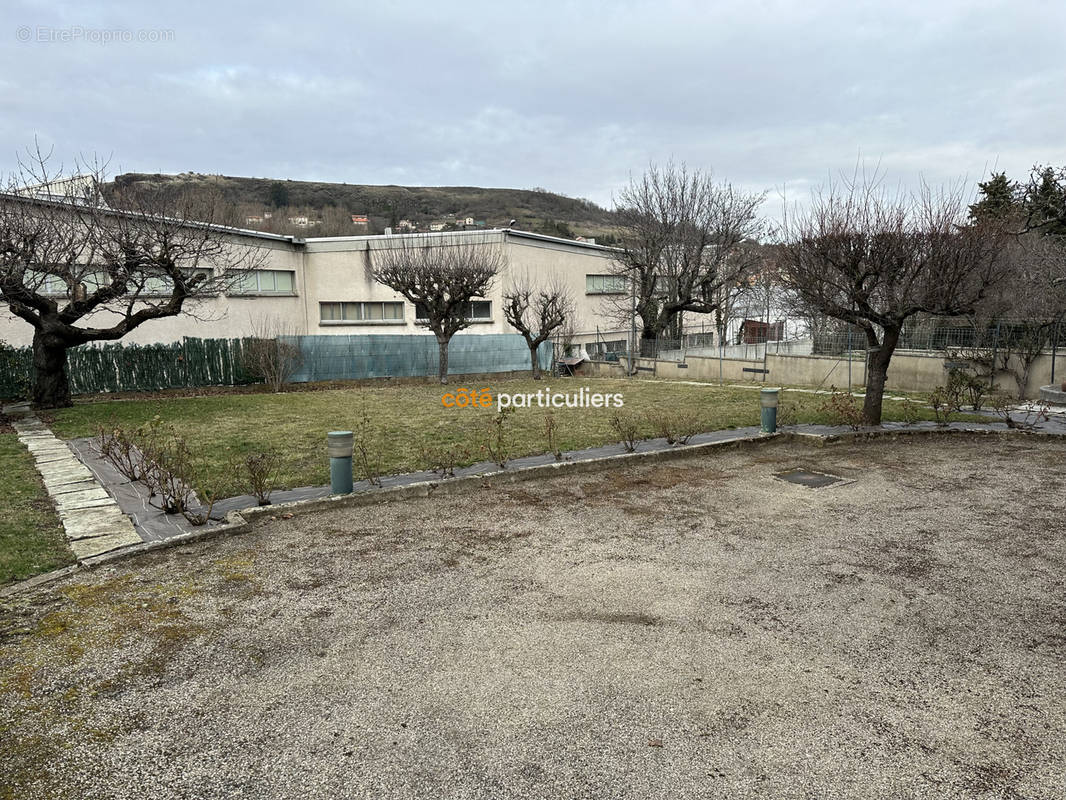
pixel 908 372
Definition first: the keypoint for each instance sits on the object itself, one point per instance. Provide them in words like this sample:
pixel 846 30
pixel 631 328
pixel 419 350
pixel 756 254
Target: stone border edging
pixel 238 522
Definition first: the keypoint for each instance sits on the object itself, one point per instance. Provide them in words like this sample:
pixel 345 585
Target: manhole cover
pixel 803 477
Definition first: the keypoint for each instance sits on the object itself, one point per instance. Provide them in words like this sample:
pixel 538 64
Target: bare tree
pixel 268 354
pixel 79 271
pixel 683 239
pixel 441 276
pixel 1017 323
pixel 537 313
pixel 874 260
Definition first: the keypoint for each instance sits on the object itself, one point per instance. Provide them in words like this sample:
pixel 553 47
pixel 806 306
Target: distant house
pixel 436 226
pixel 406 225
pixel 298 221
pixel 252 220
pixel 753 331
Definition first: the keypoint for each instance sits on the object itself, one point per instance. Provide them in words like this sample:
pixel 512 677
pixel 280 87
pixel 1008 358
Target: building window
pixel 56 286
pixel 605 284
pixel 476 310
pixel 265 281
pixel 360 312
pixel 162 285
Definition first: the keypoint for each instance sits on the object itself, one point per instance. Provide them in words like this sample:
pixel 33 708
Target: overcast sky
pixel 571 97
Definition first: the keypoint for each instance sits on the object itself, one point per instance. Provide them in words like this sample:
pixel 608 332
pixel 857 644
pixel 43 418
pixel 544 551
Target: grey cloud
pixel 570 96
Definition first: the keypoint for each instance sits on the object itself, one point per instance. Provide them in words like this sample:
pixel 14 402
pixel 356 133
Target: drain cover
pixel 803 477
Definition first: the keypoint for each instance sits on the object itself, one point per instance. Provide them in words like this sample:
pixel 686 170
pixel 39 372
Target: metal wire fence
pixel 751 339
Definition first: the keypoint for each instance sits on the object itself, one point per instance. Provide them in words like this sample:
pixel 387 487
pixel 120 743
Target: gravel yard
pixel 694 628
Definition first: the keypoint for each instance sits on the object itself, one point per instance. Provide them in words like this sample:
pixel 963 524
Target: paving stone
pixel 75 499
pixel 74 486
pixel 51 458
pixel 59 470
pixel 90 523
pixel 68 507
pixel 87 548
pixel 44 450
pixel 52 482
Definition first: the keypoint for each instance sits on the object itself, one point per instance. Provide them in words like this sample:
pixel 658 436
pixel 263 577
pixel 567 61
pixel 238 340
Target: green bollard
pixel 339 448
pixel 768 400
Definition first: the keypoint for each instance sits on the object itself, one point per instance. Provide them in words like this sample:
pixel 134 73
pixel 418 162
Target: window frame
pixel 237 291
pixel 469 318
pixel 603 279
pixel 342 320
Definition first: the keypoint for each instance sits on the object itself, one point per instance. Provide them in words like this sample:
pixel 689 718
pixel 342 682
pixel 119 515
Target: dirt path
pixel 695 628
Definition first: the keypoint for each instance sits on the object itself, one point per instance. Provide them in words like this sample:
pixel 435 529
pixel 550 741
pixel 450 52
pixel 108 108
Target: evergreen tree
pixel 999 199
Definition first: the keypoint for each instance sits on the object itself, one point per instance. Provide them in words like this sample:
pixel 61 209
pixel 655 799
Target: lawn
pixel 31 538
pixel 406 419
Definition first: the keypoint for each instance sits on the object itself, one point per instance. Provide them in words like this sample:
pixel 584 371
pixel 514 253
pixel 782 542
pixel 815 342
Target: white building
pixel 324 286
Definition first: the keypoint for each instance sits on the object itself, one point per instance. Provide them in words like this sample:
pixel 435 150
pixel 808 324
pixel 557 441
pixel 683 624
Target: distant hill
pixel 311 208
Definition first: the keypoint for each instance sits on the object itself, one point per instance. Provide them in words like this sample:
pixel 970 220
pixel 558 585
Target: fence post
pixel 849 356
pixel 1055 350
pixel 995 346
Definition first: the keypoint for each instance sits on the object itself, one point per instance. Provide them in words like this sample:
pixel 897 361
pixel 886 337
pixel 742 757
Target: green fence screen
pixel 217 362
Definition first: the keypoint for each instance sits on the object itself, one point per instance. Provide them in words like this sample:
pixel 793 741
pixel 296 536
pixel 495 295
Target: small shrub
pixel 842 408
pixel 944 403
pixel 496 440
pixel 551 426
pixel 443 459
pixel 261 470
pixel 362 450
pixel 627 427
pixel 116 446
pixel 155 456
pixel 676 426
pixel 963 388
pixel 1023 418
pixel 787 414
pixel 910 411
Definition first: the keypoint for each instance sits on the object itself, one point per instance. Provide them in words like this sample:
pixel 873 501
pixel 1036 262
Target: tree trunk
pixel 442 369
pixel 50 386
pixel 877 374
pixel 649 342
pixel 535 361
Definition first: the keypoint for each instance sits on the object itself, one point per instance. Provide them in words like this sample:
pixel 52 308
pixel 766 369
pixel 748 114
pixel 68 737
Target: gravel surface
pixel 695 628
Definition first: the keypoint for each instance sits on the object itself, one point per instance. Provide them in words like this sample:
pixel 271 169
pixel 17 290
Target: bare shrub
pixel 627 426
pixel 944 405
pixel 551 427
pixel 117 447
pixel 160 459
pixel 910 411
pixel 787 414
pixel 362 447
pixel 261 470
pixel 677 426
pixel 842 408
pixel 496 440
pixel 443 459
pixel 1022 418
pixel 267 356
